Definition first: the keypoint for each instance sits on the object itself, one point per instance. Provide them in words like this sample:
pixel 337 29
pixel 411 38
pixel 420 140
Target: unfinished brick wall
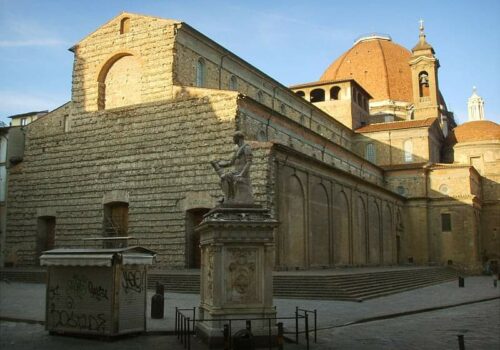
pixel 156 153
pixel 149 41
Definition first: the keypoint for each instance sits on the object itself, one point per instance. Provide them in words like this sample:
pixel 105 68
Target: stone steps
pixel 359 286
pixel 355 286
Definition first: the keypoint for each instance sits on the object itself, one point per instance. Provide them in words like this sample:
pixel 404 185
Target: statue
pixel 236 183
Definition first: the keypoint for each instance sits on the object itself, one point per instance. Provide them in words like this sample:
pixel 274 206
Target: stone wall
pixel 329 218
pixel 221 65
pixel 156 155
pixel 149 41
pixel 389 145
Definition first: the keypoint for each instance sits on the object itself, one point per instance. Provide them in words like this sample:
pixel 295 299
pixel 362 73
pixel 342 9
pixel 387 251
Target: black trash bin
pixel 243 340
pixel 460 282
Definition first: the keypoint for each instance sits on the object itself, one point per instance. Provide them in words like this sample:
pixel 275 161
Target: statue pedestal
pixel 237 258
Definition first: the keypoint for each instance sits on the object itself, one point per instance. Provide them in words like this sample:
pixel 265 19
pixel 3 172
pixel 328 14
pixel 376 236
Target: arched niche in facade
pixel 374 238
pixel 388 236
pixel 359 233
pixel 119 81
pixel 294 240
pixel 319 226
pixel 342 229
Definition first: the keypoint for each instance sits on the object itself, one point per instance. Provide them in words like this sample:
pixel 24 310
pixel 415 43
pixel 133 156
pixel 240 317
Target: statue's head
pixel 237 136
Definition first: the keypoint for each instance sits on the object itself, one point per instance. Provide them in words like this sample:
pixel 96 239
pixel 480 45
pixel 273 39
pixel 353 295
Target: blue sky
pixel 292 41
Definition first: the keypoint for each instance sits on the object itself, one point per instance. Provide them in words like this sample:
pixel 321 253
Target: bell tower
pixel 424 66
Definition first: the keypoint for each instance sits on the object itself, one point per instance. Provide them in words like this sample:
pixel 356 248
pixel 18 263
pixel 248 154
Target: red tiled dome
pixel 379 65
pixel 481 130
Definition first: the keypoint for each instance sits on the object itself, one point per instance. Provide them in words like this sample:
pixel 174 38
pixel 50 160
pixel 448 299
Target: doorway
pixel 46 233
pixel 193 251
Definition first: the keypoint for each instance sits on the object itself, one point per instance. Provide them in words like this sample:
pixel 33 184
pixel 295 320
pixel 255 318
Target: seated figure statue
pixel 236 183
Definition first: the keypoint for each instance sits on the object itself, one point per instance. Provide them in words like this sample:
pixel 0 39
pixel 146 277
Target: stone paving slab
pixel 26 301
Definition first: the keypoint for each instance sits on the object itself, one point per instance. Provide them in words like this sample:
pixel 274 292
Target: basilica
pixel 365 166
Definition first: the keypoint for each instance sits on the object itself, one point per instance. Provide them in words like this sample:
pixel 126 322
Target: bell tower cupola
pixel 475 106
pixel 424 72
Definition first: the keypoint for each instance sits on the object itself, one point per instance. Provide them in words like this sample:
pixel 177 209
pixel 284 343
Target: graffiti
pixel 77 286
pixel 54 292
pixel 132 281
pixel 81 321
pixel 97 292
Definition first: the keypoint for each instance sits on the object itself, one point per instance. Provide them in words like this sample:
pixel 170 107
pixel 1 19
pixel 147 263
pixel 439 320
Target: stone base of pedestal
pixel 237 255
pixel 263 327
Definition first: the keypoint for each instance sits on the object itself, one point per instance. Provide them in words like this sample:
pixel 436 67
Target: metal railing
pixel 185 326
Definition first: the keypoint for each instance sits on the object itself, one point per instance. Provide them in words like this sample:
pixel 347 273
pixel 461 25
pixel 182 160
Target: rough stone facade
pixel 154 101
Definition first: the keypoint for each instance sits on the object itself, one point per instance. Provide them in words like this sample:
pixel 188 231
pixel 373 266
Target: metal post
pixel 230 333
pixel 270 336
pixel 461 342
pixel 280 336
pixel 315 326
pixel 296 325
pixel 226 337
pixel 184 331
pixel 307 330
pixel 194 316
pixel 188 334
pixel 175 326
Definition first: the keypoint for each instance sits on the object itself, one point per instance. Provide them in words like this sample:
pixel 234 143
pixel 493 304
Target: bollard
pixel 461 342
pixel 281 339
pixel 158 302
pixel 495 283
pixel 460 282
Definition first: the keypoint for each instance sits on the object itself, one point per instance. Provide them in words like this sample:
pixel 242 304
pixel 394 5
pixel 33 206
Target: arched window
pixel 370 154
pixel 408 151
pixel 335 93
pixel 300 93
pixel 233 83
pixel 423 83
pixel 317 95
pixel 124 25
pixel 200 73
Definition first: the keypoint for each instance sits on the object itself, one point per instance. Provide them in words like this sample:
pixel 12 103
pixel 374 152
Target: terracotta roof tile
pixel 407 124
pixel 480 130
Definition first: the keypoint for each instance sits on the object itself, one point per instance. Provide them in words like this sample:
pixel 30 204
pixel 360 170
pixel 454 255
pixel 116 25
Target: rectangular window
pixel 446 222
pixel 24 121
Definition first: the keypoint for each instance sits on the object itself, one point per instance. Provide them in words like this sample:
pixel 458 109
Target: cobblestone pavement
pixel 478 322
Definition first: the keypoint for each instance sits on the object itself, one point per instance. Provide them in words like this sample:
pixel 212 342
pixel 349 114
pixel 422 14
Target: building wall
pixel 346 107
pixel 221 65
pixel 152 156
pixel 149 42
pixel 353 230
pixel 389 145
